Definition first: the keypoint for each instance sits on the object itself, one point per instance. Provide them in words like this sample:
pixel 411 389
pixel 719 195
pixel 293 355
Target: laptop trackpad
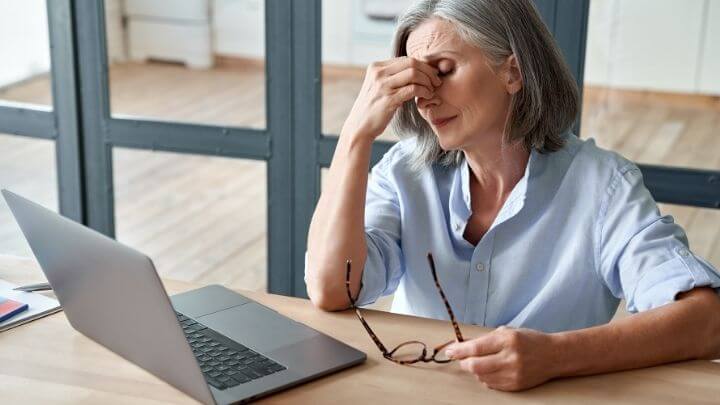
pixel 257 327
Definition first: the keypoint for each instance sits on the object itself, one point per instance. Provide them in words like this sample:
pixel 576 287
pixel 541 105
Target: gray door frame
pixel 60 122
pixel 292 144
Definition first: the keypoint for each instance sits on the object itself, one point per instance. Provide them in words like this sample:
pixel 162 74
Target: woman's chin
pixel 448 142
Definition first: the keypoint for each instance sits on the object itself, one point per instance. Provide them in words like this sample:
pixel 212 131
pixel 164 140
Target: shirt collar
pixel 520 189
pixel 460 192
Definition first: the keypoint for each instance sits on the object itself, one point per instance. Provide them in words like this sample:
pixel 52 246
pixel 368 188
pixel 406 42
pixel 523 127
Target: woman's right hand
pixel 388 84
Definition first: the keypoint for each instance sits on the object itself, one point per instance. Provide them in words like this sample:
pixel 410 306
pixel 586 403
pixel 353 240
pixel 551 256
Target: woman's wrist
pixel 566 360
pixel 573 354
pixel 356 141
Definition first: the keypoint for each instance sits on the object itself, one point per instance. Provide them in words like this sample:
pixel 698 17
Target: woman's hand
pixel 388 84
pixel 508 359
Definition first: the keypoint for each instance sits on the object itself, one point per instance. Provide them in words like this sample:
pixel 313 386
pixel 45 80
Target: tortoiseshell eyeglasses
pixel 411 351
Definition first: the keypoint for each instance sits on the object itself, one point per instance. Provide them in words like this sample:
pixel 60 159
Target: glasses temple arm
pixel 369 330
pixel 455 325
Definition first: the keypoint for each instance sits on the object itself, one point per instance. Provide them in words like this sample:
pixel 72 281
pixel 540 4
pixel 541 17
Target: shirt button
pixel 458 226
pixel 479 267
pixel 683 252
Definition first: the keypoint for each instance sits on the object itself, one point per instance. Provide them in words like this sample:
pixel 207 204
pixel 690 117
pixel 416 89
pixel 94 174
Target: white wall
pixel 115 30
pixel 662 45
pixel 24 44
pixel 709 77
pixel 348 36
pixel 238 28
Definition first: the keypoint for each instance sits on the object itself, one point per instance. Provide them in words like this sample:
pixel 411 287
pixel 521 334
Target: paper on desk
pixel 38 305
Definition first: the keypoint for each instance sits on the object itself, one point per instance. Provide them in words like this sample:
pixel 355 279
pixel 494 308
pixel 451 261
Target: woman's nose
pixel 423 103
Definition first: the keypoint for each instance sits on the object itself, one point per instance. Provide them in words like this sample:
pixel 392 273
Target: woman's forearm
pixel 337 228
pixel 679 331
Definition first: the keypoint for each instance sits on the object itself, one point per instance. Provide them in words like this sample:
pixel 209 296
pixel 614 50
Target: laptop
pixel 211 343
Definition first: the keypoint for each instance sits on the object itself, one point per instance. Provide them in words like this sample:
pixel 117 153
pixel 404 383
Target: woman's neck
pixel 496 170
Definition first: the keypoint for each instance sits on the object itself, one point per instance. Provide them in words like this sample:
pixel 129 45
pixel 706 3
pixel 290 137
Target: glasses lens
pixel 440 355
pixel 409 351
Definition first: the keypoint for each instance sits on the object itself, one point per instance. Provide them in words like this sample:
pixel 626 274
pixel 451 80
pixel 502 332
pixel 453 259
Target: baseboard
pixel 615 96
pixel 328 70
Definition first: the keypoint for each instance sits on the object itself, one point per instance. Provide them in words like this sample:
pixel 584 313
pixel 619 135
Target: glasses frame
pixel 422 357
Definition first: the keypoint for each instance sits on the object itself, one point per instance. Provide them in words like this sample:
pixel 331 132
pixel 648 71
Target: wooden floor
pixel 203 218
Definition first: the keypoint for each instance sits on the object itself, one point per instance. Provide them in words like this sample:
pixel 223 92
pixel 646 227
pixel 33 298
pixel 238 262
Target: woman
pixel 531 228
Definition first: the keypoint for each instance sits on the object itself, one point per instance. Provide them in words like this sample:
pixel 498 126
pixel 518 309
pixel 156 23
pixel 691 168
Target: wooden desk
pixel 48 361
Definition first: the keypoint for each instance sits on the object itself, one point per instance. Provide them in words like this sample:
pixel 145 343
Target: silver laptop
pixel 213 344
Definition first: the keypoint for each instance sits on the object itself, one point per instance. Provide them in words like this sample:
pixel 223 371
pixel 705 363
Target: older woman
pixel 531 228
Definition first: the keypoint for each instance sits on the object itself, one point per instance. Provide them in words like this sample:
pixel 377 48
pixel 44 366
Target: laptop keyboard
pixel 224 362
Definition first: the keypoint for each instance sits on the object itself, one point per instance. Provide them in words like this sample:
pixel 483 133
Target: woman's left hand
pixel 509 359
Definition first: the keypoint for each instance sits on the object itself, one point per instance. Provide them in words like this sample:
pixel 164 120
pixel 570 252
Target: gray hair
pixel 540 112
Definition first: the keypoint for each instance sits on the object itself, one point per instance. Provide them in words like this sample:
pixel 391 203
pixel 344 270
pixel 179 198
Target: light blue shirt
pixel 577 233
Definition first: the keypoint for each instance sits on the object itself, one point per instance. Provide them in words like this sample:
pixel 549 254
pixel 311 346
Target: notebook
pixel 38 305
pixel 10 308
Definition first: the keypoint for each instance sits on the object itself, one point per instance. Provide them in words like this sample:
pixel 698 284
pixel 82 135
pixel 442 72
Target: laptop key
pixel 224 362
pixel 240 378
pixel 251 373
pixel 215 383
pixel 231 382
pixel 276 367
pixel 262 370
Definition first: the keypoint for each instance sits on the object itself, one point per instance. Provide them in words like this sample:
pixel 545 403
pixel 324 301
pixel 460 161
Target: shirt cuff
pixel 662 284
pixel 374 274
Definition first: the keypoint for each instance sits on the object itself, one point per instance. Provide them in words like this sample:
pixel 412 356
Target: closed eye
pixel 445 67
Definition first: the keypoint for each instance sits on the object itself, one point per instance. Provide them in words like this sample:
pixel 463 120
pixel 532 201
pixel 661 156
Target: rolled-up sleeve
pixel 642 256
pixel 384 263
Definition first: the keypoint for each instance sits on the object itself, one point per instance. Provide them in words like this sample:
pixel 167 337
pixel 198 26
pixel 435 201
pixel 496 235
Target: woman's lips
pixel 442 121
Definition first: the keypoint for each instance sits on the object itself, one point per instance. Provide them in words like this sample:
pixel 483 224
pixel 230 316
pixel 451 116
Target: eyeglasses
pixel 411 351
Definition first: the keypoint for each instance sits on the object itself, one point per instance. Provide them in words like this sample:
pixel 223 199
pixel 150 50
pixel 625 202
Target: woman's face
pixel 469 108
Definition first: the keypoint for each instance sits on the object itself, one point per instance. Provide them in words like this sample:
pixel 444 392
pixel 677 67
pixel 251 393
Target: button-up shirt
pixel 578 232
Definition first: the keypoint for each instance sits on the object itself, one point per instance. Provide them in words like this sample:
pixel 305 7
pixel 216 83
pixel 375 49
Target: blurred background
pixel 651 92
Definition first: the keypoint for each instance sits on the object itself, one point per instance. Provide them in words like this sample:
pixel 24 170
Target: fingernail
pixel 449 353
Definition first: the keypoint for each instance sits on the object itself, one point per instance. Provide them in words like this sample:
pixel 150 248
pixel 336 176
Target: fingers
pixel 411 76
pixel 397 65
pixel 401 79
pixel 482 366
pixel 481 346
pixel 409 92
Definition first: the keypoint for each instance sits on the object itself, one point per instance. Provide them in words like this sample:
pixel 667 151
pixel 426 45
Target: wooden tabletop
pixel 47 361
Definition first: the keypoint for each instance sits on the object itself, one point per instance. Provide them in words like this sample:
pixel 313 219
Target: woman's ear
pixel 513 77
